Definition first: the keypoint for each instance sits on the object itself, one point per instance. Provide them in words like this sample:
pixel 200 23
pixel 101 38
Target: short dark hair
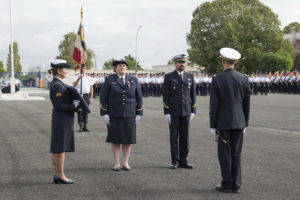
pixel 229 61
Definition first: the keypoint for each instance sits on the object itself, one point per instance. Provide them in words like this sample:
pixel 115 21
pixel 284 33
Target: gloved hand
pixel 244 131
pixel 192 116
pixel 213 131
pixel 106 119
pixel 137 118
pixel 168 117
pixel 76 103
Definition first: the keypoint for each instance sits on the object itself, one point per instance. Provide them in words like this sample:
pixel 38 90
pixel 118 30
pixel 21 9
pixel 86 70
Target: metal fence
pixel 23 79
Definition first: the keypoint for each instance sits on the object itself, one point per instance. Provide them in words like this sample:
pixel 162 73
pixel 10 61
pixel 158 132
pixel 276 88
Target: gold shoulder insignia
pixel 58 94
pixel 103 108
pixel 167 107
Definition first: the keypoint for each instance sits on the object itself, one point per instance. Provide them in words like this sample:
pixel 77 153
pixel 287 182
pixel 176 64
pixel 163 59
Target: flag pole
pixel 81 70
pixel 12 79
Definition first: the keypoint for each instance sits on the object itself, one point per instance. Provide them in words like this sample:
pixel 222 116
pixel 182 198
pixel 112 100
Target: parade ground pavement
pixel 270 158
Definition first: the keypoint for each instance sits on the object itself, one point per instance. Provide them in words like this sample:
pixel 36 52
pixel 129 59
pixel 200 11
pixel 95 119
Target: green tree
pixel 246 25
pixel 108 64
pixel 132 63
pixel 292 27
pixel 66 47
pixel 17 58
pixel 2 69
pixel 280 61
pixel 170 62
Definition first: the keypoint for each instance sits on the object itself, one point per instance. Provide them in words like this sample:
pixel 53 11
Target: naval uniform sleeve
pixel 246 102
pixel 104 97
pixel 193 95
pixel 166 95
pixel 214 103
pixel 58 100
pixel 139 98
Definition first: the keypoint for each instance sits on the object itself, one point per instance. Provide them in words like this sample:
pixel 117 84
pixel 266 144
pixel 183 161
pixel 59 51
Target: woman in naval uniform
pixel 62 131
pixel 121 102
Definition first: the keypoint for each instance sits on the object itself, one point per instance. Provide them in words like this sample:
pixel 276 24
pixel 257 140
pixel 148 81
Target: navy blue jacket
pixel 229 101
pixel 62 101
pixel 179 96
pixel 119 100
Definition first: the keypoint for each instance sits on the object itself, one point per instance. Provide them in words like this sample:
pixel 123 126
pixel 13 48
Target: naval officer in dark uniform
pixel 121 102
pixel 62 130
pixel 229 118
pixel 179 99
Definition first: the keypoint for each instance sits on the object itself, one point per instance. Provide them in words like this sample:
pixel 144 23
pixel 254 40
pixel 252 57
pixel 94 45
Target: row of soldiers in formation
pixel 151 84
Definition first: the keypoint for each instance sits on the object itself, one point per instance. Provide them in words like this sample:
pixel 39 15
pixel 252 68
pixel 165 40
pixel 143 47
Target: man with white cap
pixel 229 117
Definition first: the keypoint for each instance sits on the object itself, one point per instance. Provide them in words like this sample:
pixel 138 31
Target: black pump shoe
pixel 126 168
pixel 58 180
pixel 116 169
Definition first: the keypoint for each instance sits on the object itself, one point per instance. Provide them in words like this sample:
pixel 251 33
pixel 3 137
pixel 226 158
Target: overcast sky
pixel 110 27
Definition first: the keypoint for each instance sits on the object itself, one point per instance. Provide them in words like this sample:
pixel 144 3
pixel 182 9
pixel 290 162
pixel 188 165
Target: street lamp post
pixel 136 38
pixel 12 80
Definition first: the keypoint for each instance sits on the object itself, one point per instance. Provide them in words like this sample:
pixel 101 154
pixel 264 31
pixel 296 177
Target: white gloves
pixel 106 119
pixel 168 117
pixel 76 103
pixel 192 116
pixel 137 118
pixel 213 131
pixel 244 131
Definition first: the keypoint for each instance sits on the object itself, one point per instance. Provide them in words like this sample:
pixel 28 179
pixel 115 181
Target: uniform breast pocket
pixel 115 88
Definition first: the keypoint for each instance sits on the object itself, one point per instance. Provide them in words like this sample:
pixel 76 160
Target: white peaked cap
pixel 58 61
pixel 230 53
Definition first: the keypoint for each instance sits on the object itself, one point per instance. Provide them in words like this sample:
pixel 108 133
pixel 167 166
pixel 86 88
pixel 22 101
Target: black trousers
pixel 146 86
pixel 229 155
pixel 83 115
pixel 179 134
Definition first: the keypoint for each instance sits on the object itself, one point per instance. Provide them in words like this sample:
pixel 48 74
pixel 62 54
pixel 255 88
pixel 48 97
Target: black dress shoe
pixel 235 191
pixel 186 165
pixel 116 169
pixel 58 180
pixel 221 189
pixel 173 166
pixel 126 168
pixel 85 130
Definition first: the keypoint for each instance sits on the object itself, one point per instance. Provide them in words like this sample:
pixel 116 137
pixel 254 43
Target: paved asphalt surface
pixel 270 159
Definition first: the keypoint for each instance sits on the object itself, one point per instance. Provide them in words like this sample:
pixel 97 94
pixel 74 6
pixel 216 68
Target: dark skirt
pixel 121 131
pixel 62 135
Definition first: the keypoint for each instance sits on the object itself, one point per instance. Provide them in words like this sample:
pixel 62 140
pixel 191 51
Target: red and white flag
pixel 79 52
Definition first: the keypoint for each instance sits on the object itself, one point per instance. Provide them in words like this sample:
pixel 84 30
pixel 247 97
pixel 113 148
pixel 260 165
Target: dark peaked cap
pixel 116 62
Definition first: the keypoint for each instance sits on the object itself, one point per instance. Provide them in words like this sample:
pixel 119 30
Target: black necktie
pixel 122 80
pixel 180 75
